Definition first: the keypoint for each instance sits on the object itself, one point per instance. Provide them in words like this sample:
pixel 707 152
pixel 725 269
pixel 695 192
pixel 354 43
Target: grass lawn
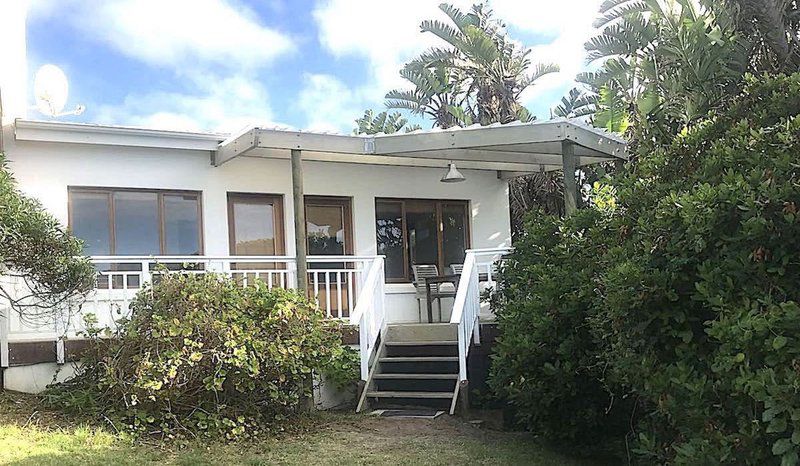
pixel 31 437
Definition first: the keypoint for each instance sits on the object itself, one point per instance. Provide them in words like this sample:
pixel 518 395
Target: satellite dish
pixel 51 90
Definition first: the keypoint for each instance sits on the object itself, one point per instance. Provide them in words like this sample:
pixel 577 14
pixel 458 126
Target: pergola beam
pixel 482 155
pixel 402 161
pixel 468 138
pixel 235 146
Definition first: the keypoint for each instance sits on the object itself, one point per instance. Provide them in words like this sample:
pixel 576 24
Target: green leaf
pixel 776 426
pixel 779 342
pixel 781 446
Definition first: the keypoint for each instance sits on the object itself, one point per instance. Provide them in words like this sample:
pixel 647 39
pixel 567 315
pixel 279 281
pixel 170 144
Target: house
pixel 347 218
pixel 374 207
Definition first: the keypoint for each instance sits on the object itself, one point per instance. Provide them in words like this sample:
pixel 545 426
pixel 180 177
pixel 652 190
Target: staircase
pixel 417 366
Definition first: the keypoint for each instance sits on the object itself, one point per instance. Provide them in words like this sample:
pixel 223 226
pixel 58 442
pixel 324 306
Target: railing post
pixel 146 275
pixel 5 330
pixel 363 344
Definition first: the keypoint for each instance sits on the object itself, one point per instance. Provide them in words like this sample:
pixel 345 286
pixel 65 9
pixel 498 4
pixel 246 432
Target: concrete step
pixel 438 395
pixel 422 332
pixel 421 348
pixel 414 384
pixel 418 364
pixel 422 343
pixel 420 359
pixel 417 376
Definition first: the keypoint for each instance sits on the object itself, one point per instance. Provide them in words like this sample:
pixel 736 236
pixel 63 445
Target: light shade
pixel 452 175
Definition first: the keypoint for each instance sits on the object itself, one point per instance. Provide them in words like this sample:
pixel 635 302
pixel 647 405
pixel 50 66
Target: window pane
pixel 389 233
pixel 136 223
pixel 254 228
pixel 422 229
pixel 90 222
pixel 181 224
pixel 325 230
pixel 454 234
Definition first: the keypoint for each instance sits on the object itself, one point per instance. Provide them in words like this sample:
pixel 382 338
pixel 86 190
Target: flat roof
pixel 514 148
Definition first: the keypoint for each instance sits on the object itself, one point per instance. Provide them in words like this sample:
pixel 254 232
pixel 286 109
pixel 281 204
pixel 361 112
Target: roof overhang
pixel 82 133
pixel 514 149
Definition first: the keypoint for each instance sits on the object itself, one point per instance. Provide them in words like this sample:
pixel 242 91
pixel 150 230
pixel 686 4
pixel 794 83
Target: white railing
pixel 370 314
pixel 479 273
pixel 334 281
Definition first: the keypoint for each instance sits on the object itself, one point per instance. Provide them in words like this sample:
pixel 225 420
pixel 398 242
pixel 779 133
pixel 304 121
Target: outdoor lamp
pixel 452 175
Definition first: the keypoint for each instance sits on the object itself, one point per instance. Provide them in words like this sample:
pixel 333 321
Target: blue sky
pixel 221 65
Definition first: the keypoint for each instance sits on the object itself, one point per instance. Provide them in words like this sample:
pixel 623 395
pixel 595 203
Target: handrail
pixel 461 293
pixel 370 313
pixel 467 303
pixel 368 292
pixel 122 258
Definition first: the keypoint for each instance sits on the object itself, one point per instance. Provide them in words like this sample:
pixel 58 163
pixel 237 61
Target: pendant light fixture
pixel 452 175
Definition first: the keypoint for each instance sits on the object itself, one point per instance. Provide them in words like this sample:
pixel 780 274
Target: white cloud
pixel 175 33
pixel 570 22
pixel 389 38
pixel 328 104
pixel 386 37
pixel 224 105
pixel 216 49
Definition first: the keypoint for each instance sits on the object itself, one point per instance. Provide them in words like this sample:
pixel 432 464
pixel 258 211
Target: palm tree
pixel 773 28
pixel 383 122
pixel 438 93
pixel 576 104
pixel 671 61
pixel 477 78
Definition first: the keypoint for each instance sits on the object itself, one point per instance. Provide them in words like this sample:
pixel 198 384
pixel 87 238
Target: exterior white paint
pixel 46 170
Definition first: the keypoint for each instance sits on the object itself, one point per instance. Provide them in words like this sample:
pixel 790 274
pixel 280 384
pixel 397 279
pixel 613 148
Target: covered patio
pixel 511 150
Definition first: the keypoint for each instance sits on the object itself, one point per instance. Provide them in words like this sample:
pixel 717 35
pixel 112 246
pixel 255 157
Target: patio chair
pixel 421 272
pixel 457 269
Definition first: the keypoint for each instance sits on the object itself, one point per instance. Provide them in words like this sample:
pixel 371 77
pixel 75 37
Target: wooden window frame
pixel 160 193
pixel 438 205
pixel 347 208
pixel 277 214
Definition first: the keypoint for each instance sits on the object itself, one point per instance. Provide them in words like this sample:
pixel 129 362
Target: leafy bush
pixel 202 354
pixel 38 251
pixel 674 307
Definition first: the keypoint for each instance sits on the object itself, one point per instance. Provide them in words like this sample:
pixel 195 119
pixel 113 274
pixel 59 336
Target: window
pixel 417 231
pixel 255 224
pixel 136 222
pixel 328 226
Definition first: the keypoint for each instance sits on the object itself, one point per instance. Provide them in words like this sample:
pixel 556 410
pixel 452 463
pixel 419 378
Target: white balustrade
pixel 334 281
pixel 370 313
pixel 478 274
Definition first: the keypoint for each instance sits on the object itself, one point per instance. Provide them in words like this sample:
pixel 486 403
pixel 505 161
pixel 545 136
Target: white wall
pixel 45 170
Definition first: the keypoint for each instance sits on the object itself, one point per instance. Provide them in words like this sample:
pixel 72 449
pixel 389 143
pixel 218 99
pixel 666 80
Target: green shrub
pixel 546 363
pixel 684 295
pixel 203 355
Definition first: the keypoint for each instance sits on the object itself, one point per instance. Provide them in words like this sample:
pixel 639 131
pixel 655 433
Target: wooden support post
pixel 299 221
pixel 571 194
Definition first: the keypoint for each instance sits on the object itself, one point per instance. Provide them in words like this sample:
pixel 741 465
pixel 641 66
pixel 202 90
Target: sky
pixel 223 65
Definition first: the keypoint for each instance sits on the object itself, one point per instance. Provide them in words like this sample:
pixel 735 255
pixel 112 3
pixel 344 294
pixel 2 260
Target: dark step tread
pixel 422 343
pixel 378 394
pixel 416 376
pixel 419 359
